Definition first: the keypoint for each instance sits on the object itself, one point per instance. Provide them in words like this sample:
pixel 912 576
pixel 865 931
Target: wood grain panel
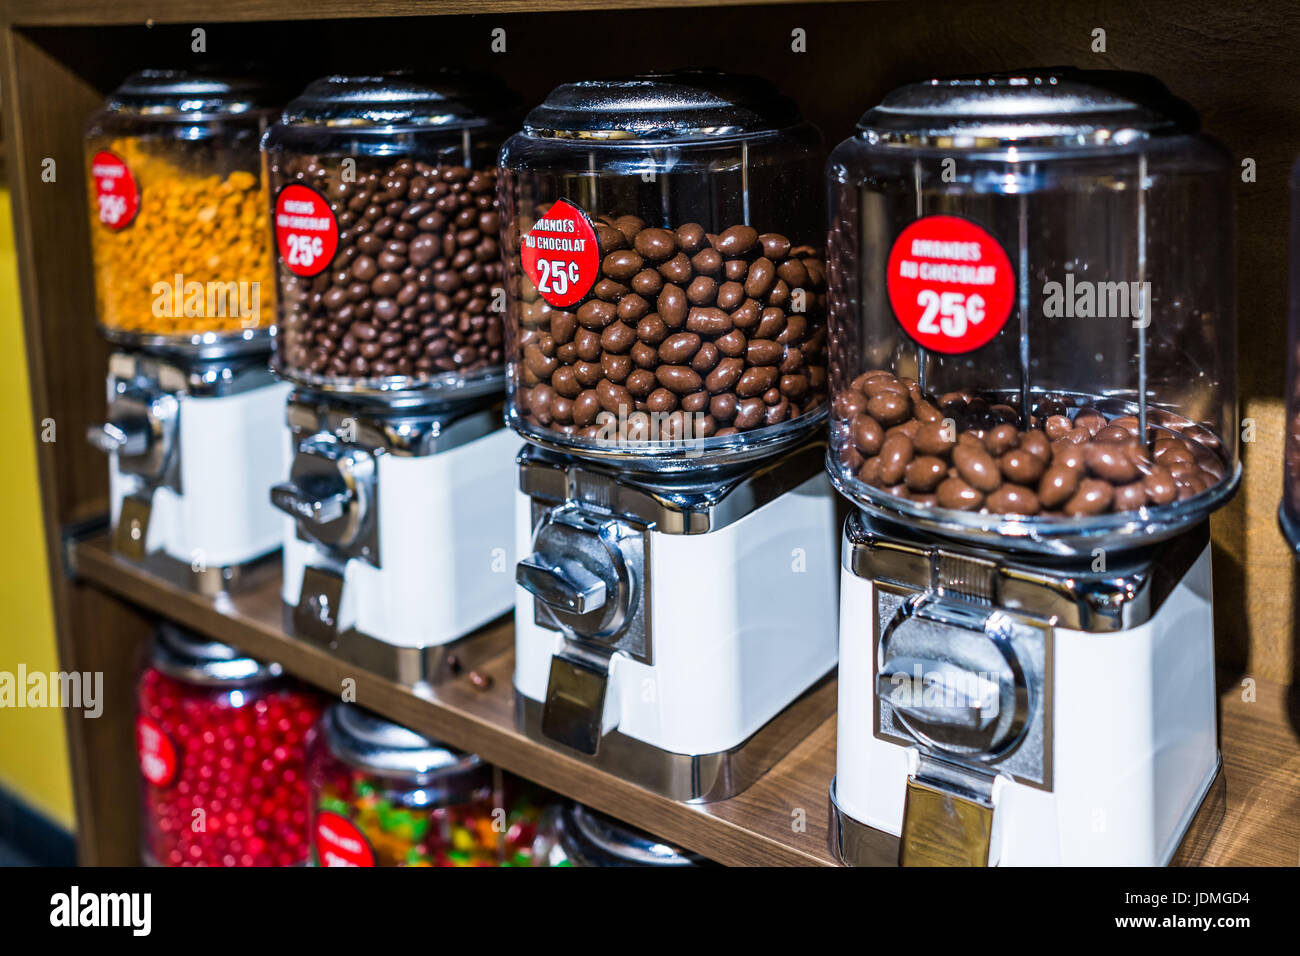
pixel 80 12
pixel 42 96
pixel 109 637
pixel 45 104
pixel 1261 764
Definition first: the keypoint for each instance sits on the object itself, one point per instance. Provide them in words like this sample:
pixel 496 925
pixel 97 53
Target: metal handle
pixel 947 815
pixel 939 693
pixel 566 585
pixel 123 437
pixel 573 713
pixel 297 503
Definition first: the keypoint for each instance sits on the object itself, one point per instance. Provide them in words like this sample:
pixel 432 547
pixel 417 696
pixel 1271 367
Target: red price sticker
pixel 561 256
pixel 156 751
pixel 306 232
pixel 950 283
pixel 117 194
pixel 339 843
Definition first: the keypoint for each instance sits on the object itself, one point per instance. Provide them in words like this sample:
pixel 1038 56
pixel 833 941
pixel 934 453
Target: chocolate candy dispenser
pixel 383 795
pixel 1034 412
pixel 185 293
pixel 222 746
pixel 386 227
pixel 667 366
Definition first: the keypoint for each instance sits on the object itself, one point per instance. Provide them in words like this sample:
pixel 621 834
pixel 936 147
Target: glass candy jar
pixel 383 192
pixel 665 281
pixel 221 742
pixel 383 795
pixel 1033 329
pixel 177 208
pixel 571 834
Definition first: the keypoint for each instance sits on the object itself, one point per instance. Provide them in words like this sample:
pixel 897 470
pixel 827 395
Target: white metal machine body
pixel 660 629
pixel 398 536
pixel 995 713
pixel 194 448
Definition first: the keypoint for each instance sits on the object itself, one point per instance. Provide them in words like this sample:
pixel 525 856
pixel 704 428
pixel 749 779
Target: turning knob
pixel 123 436
pixel 301 503
pixel 561 584
pixel 940 693
pixel 952 676
pixel 580 572
pixel 331 492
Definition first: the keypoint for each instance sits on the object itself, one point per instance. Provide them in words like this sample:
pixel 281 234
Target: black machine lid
pixel 1059 106
pixel 372 743
pixel 194 659
pixel 191 94
pixel 446 99
pixel 664 107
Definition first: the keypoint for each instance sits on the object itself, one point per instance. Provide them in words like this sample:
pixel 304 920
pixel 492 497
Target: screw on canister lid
pixel 193 659
pixel 590 838
pixel 663 107
pixel 448 99
pixel 192 94
pixel 1058 106
pixel 372 743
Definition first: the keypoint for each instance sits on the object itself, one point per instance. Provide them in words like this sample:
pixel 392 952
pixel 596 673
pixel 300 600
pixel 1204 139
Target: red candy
pixel 235 754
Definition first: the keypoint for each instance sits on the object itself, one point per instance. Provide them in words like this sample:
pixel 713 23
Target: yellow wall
pixel 33 749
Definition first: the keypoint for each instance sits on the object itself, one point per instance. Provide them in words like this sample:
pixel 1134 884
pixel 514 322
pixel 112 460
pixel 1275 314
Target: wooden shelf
pixel 1261 760
pixel 135 12
pixel 752 829
pixel 1258 823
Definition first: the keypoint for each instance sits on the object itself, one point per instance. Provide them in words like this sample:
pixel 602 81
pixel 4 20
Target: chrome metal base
pixel 853 843
pixel 412 666
pixel 227 579
pixel 695 778
pixel 856 844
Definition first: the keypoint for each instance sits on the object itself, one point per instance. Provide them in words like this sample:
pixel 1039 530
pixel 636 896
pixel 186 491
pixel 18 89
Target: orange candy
pixel 197 256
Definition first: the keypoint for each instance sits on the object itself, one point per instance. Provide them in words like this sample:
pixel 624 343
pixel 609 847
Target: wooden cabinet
pixel 1234 62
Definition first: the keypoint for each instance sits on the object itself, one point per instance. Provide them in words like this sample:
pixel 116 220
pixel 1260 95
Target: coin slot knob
pixel 939 693
pixel 123 436
pixel 310 504
pixel 565 585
